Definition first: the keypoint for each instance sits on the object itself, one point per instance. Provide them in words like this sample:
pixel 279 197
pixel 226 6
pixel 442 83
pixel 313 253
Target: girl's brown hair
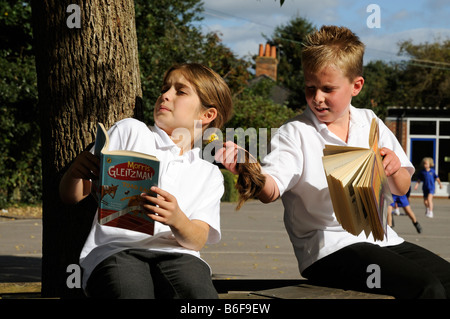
pixel 250 181
pixel 214 92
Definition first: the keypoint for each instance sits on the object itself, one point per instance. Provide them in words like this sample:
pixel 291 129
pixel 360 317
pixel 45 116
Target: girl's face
pixel 329 93
pixel 426 165
pixel 179 106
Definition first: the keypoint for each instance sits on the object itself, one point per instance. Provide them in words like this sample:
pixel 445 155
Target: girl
pixel 118 263
pixel 428 176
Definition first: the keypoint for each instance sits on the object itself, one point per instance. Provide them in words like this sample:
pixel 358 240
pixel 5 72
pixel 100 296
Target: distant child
pixel 428 176
pixel 332 61
pixel 119 263
pixel 402 201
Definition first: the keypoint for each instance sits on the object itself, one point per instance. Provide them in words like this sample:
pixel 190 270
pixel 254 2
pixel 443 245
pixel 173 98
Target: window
pixel 422 127
pixel 444 160
pixel 430 138
pixel 444 128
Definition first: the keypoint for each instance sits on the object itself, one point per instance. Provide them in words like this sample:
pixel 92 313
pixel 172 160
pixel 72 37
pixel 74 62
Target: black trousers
pixel 143 274
pixel 406 271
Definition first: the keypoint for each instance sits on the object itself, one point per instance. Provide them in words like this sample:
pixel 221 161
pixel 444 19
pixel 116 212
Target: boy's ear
pixel 358 84
pixel 209 115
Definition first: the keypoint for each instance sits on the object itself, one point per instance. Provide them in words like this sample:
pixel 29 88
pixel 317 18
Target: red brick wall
pixel 392 125
pixel 266 66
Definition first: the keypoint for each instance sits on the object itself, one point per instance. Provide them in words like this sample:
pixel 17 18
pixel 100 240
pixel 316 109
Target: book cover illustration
pixel 124 175
pixel 358 186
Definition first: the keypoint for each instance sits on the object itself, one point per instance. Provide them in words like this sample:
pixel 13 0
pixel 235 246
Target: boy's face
pixel 329 93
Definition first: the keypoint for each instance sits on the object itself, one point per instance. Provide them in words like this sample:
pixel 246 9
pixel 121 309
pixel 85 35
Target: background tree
pixel 380 88
pixel 288 40
pixel 254 109
pixel 168 34
pixel 425 76
pixel 20 161
pixel 85 75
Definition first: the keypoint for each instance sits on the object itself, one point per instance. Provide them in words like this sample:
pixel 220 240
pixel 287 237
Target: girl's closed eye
pixel 164 89
pixel 182 89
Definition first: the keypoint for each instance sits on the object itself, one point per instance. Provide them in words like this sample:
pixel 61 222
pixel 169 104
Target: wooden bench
pixel 285 289
pixel 228 289
pixel 17 290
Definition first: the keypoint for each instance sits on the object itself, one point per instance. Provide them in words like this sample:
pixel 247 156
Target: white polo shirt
pixel 196 184
pixel 295 163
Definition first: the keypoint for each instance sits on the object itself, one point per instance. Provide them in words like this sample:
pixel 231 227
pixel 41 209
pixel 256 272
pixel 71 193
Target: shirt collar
pixel 164 142
pixel 356 121
pixel 355 118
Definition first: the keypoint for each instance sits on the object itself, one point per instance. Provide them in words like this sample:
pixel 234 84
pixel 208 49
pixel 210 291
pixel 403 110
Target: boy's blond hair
pixel 336 46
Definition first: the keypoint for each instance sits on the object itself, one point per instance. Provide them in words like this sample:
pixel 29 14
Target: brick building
pixel 424 132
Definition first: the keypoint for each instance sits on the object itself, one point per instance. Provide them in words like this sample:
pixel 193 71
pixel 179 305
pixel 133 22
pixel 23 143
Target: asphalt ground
pixel 254 242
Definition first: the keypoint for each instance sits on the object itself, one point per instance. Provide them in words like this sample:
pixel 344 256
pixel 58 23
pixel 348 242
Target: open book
pixel 124 175
pixel 358 186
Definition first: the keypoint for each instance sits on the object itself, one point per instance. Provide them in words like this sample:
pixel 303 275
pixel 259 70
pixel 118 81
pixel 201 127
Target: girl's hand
pixel 191 234
pixel 75 184
pixel 163 208
pixel 228 156
pixel 86 166
pixel 391 162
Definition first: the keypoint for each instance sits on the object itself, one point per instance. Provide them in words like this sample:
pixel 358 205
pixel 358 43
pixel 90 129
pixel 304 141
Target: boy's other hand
pixel 391 162
pixel 228 156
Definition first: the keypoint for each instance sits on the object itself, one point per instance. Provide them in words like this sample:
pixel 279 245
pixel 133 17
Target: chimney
pixel 266 62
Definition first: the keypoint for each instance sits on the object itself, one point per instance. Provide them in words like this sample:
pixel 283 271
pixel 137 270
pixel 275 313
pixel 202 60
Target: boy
pixel 332 63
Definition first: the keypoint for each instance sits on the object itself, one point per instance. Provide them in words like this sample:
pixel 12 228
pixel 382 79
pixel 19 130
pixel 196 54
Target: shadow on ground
pixel 20 269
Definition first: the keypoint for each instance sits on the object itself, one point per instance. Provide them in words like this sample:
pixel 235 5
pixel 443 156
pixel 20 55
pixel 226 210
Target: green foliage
pixel 422 80
pixel 167 35
pixel 231 194
pixel 381 87
pixel 253 108
pixel 425 77
pixel 19 128
pixel 288 40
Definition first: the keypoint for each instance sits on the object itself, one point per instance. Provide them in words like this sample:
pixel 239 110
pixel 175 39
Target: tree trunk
pixel 86 74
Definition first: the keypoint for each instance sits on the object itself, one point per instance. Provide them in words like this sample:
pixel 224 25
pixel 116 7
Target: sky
pixel 241 23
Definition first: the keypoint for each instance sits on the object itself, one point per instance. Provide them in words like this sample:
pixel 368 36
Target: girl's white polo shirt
pixel 196 184
pixel 295 163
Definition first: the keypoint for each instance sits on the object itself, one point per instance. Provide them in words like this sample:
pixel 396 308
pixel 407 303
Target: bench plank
pixel 20 287
pixel 307 291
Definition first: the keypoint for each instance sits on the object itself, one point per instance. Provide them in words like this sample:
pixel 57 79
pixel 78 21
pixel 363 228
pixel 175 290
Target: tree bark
pixel 85 75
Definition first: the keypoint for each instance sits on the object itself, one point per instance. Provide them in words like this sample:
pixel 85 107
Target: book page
pixel 341 176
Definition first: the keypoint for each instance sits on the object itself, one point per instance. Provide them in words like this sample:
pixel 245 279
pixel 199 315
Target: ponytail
pixel 250 181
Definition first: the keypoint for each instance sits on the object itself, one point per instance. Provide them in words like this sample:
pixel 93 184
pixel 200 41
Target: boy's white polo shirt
pixel 295 163
pixel 196 184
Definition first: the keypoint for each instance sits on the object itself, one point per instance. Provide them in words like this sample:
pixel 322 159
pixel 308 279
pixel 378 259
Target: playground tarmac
pixel 254 242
